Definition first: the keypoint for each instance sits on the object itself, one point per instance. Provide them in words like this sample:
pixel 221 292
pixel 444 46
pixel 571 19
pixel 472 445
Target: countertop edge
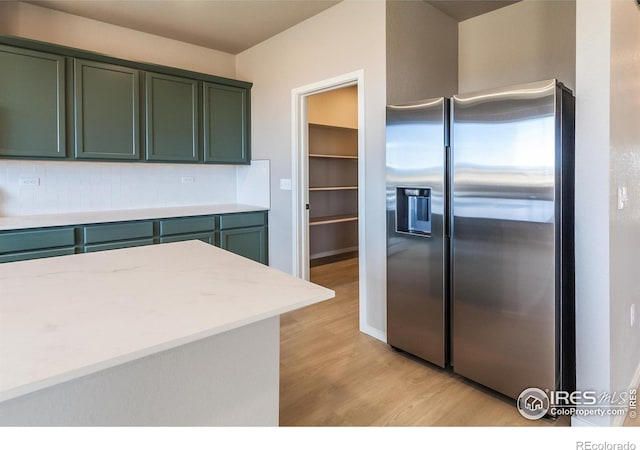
pixel 17 223
pixel 123 359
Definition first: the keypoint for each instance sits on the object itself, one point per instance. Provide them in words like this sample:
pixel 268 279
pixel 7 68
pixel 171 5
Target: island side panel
pixel 230 379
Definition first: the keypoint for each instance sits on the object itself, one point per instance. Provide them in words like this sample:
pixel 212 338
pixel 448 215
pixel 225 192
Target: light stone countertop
pixel 80 218
pixel 69 316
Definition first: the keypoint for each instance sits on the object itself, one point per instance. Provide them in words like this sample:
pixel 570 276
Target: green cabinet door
pixel 226 124
pixel 171 118
pixel 106 111
pixel 248 242
pixel 32 103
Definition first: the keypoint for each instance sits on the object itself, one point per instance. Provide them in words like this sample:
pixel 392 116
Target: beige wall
pixel 527 41
pixel 422 52
pixel 338 107
pixel 42 24
pixel 624 227
pixel 593 55
pixel 607 157
pixel 342 39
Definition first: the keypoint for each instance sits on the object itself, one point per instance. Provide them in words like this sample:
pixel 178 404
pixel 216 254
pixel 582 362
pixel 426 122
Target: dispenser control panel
pixel 413 210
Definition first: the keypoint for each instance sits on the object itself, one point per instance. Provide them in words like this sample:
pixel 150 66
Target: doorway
pixel 332 168
pixel 328 177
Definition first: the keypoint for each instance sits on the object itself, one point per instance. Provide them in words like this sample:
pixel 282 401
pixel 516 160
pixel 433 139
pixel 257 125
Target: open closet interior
pixel 333 175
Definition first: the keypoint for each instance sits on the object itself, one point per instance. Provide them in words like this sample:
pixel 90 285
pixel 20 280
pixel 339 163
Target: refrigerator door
pixel 416 245
pixel 504 275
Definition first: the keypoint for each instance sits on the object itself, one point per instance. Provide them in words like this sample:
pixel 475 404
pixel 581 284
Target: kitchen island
pixel 172 334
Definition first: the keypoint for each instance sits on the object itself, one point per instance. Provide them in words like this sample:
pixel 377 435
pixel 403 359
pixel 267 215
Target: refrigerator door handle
pixel 447 192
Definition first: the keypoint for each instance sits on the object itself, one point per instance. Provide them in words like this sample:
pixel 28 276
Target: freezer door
pixel 415 228
pixel 503 237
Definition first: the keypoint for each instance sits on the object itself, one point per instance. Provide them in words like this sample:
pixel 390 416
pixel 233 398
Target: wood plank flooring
pixel 333 375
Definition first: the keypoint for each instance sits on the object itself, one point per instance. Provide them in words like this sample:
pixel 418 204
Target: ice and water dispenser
pixel 413 210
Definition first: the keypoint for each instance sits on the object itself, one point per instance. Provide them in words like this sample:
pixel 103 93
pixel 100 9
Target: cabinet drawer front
pixel 117 232
pixel 253 219
pixel 209 238
pixel 20 241
pixel 23 256
pixel 32 102
pixel 187 225
pixel 116 245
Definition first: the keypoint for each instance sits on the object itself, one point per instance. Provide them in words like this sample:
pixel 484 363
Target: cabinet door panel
pixel 248 242
pixel 226 127
pixel 32 103
pixel 106 101
pixel 171 111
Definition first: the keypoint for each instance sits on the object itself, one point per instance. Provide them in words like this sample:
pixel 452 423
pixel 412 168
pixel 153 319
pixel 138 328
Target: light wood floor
pixel 331 374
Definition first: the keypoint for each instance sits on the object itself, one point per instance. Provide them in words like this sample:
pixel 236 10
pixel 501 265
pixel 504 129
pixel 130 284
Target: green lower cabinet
pixel 32 244
pixel 32 103
pixel 248 242
pixel 242 233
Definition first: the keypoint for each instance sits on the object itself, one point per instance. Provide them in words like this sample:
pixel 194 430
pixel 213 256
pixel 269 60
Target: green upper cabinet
pixel 226 124
pixel 171 118
pixel 106 101
pixel 32 103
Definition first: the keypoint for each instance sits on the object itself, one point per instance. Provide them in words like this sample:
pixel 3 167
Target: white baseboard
pixel 374 332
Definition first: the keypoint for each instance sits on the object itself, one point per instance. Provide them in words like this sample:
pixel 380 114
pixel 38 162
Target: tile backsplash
pixel 51 187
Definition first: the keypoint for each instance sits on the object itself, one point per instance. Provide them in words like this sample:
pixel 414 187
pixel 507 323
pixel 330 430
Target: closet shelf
pixel 316 155
pixel 333 219
pixel 334 188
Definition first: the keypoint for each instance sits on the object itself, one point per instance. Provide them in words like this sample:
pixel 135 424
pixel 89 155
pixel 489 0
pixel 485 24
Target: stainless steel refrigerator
pixel 480 269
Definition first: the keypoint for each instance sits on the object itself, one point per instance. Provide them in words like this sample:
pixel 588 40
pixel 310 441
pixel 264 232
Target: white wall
pixel 624 164
pixel 593 53
pixel 422 52
pixel 342 39
pixel 338 107
pixel 87 186
pixel 527 41
pixel 607 152
pixel 43 24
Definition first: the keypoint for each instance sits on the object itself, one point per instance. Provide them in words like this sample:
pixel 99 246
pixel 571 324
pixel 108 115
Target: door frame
pixel 300 175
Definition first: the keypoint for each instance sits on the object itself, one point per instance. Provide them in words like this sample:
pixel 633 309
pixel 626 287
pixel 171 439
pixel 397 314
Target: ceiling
pixel 465 9
pixel 227 25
